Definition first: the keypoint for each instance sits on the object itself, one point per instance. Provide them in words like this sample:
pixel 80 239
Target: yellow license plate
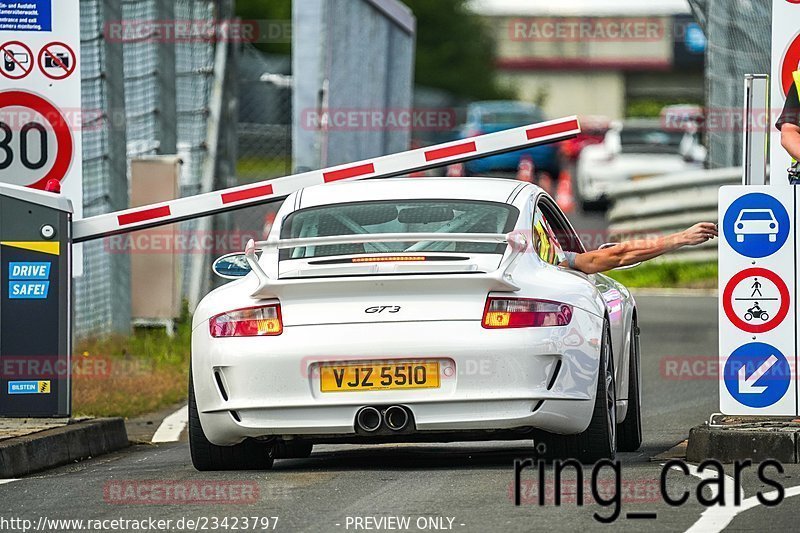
pixel 379 376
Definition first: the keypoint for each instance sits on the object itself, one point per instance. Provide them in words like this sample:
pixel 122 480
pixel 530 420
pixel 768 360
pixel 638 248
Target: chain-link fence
pixel 739 35
pixel 153 90
pixel 169 79
pixel 102 302
pixel 264 130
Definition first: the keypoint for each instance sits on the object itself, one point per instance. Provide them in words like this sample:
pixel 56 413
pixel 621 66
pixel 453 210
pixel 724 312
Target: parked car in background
pixel 494 116
pixel 633 150
pixel 593 131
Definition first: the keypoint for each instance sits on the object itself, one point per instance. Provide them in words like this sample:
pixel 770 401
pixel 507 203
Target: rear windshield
pixel 398 216
pixel 756 215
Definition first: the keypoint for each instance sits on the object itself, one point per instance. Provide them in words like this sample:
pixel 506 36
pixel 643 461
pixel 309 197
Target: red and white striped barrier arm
pixel 271 190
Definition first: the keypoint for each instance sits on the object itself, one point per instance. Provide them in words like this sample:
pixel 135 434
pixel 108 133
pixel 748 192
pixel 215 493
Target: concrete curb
pixel 728 445
pixel 74 442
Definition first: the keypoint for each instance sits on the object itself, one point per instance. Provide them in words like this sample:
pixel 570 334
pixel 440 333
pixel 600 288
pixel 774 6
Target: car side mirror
pixel 611 245
pixel 231 266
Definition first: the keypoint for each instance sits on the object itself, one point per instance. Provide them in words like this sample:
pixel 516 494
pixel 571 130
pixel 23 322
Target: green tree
pixel 267 12
pixel 456 50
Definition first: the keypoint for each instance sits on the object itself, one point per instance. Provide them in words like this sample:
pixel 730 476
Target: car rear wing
pixel 500 279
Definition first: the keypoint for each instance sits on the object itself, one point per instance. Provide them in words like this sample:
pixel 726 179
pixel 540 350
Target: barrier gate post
pixel 35 313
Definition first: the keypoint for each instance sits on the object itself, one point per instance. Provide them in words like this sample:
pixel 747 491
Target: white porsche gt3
pixel 412 310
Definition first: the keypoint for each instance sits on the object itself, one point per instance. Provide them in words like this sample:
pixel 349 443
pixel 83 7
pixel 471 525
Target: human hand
pixel 699 233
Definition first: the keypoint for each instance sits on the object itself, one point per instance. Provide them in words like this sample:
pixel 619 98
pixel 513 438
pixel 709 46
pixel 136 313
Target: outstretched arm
pixel 790 139
pixel 632 252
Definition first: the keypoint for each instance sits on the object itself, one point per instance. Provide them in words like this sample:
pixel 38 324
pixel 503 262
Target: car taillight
pixel 250 322
pixel 524 313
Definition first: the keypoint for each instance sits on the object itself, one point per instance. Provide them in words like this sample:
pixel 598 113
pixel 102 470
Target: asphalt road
pixel 461 487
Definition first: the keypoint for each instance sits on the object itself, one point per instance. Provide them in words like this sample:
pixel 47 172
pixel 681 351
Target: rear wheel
pixel 247 455
pixel 630 431
pixel 599 441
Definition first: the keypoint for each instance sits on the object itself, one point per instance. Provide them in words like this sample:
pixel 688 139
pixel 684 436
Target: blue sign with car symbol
pixel 756 225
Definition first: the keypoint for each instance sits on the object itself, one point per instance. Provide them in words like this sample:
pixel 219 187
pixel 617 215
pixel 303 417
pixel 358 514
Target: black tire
pixel 293 449
pixel 599 441
pixel 629 432
pixel 247 455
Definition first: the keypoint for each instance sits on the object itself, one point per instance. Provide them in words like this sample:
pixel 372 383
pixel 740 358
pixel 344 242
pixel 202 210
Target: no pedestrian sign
pixel 756 300
pixel 757 317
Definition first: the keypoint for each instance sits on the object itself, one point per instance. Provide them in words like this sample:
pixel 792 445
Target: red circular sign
pixel 791 62
pixel 57 60
pixel 64 144
pixel 736 320
pixel 16 60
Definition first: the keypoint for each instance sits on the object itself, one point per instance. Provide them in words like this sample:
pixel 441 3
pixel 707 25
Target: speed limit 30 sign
pixel 40 100
pixel 36 142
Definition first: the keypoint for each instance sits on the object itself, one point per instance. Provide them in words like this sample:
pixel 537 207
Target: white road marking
pixel 4 481
pixel 171 428
pixel 715 519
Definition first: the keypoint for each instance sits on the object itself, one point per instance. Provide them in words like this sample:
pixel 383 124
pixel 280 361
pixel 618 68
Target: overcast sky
pixel 580 7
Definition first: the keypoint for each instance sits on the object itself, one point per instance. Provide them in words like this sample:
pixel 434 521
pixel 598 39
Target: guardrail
pixel 670 203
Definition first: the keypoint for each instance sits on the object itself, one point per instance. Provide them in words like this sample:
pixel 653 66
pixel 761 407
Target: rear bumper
pixel 497 379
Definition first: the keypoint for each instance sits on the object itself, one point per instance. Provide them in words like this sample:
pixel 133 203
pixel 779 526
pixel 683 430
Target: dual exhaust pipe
pixel 371 419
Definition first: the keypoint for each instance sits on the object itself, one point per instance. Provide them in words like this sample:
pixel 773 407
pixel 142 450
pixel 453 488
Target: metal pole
pixel 755 124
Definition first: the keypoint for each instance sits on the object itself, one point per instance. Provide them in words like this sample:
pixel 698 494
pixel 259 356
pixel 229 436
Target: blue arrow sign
pixel 756 225
pixel 757 375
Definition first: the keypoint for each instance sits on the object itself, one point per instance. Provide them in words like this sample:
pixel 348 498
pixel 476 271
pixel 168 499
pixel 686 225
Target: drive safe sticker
pixel 28 290
pixel 29 387
pixel 29 270
pixel 28 281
